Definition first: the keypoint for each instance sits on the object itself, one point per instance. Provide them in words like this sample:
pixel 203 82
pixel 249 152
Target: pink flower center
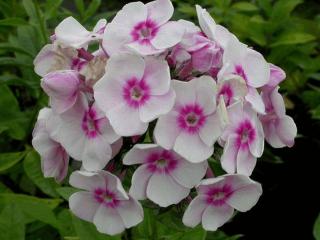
pixel 246 134
pixel 161 162
pixel 240 72
pixel 143 32
pixel 135 92
pixel 90 124
pixel 218 196
pixel 227 93
pixel 105 197
pixel 191 118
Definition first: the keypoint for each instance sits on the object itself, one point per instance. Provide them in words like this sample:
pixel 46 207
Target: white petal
pixel 139 182
pixel 211 130
pixel 83 205
pixel 214 217
pixel 192 148
pixel 96 154
pixel 287 130
pixel 193 214
pixel 157 106
pixel 44 60
pixel 157 76
pixel 256 68
pixel 126 121
pixel 229 156
pixel 243 199
pixel 164 190
pixel 160 11
pixel 86 180
pixel 185 92
pixel 206 91
pixel 245 162
pixel 168 35
pixel 254 98
pixel 166 131
pixel 278 103
pixel 144 49
pixel 139 153
pixel 71 33
pixel 108 220
pixel 134 68
pixel 114 184
pixel 131 212
pixel 206 22
pixel 189 174
pixel 257 146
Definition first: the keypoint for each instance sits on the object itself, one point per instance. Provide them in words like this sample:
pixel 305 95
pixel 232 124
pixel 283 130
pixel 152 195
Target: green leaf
pixel 12 223
pixel 32 167
pixel 293 38
pixel 93 7
pixel 8 47
pixel 10 61
pixel 66 192
pixel 245 6
pixel 13 22
pixel 87 231
pixel 283 8
pixel 80 6
pixel 32 207
pixel 8 160
pixel 4 188
pixel 316 228
pixel 66 228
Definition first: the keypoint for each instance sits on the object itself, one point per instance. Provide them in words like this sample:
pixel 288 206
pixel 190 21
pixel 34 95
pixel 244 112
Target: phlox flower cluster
pixel 191 89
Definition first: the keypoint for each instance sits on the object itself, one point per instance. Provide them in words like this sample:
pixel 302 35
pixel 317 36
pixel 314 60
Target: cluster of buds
pixel 189 88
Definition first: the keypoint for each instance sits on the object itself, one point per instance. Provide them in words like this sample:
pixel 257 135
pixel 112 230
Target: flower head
pixel 164 177
pixel 136 96
pixel 143 28
pixel 244 140
pixel 104 202
pixel 192 126
pixel 218 197
pixel 54 158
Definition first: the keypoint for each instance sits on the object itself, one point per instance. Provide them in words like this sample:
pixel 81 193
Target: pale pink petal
pixel 160 11
pixel 139 182
pixel 83 205
pixel 206 22
pixel 62 88
pixel 116 147
pixel 126 121
pixel 245 198
pixel 254 98
pixel 185 92
pixel 115 39
pixel 157 76
pixel 211 130
pixel 193 214
pixel 168 35
pixel 287 130
pixel 257 146
pixel 131 212
pixel 206 91
pixel 107 93
pixel 157 106
pixel 71 33
pixel 96 153
pixel 86 180
pixel 192 148
pixel 100 25
pixel 277 75
pixel 108 221
pixel 278 103
pixel 139 153
pixel 256 68
pixel 245 162
pixel 44 60
pixel 144 49
pixel 114 184
pixel 134 68
pixel 205 184
pixel 164 190
pixel 272 136
pixel 189 174
pixel 229 156
pixel 166 130
pixel 214 217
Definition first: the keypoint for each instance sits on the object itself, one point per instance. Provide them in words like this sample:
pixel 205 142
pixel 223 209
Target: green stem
pixel 41 22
